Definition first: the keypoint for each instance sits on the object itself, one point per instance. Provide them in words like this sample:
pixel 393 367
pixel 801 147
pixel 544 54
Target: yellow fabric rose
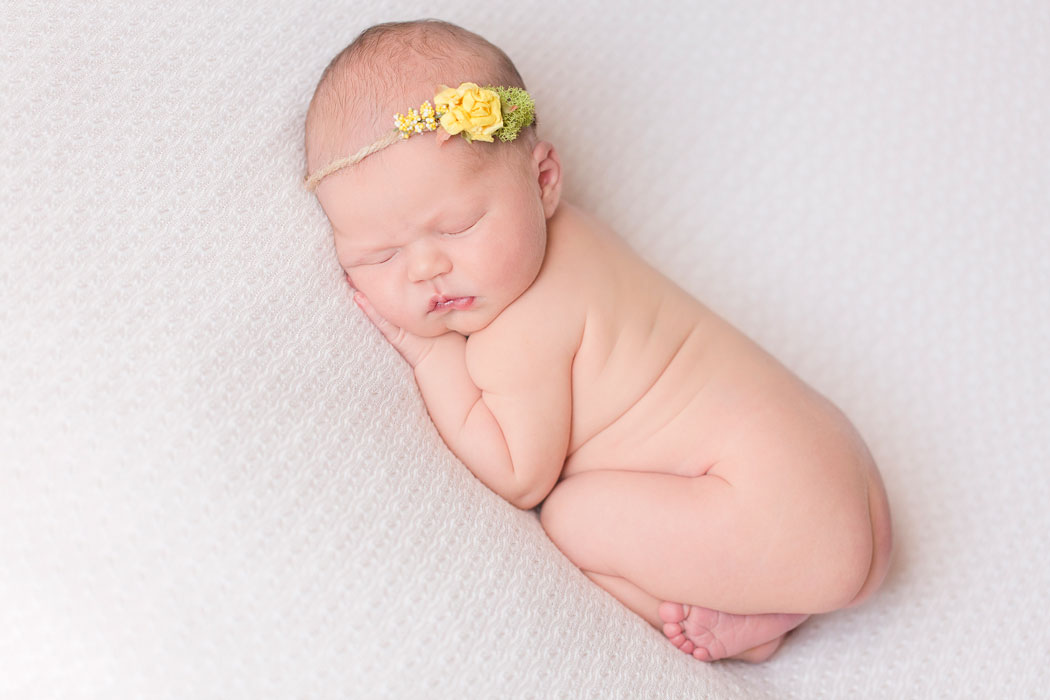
pixel 469 109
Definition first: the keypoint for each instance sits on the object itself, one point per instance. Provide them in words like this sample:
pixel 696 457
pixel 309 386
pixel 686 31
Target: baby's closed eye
pixel 461 229
pixel 377 258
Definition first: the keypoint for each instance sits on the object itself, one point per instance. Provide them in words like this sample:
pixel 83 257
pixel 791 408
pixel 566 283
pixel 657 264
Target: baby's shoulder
pixel 580 256
pixel 575 271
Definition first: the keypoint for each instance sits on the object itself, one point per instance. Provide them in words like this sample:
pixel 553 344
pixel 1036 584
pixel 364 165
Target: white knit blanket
pixel 217 480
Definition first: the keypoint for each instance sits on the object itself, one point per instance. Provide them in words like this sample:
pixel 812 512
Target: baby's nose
pixel 427 261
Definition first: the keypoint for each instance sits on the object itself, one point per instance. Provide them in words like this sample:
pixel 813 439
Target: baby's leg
pixel 694 541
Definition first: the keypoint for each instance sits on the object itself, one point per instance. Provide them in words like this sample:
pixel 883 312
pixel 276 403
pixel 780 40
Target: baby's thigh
pixel 807 498
pixel 677 538
pixel 697 540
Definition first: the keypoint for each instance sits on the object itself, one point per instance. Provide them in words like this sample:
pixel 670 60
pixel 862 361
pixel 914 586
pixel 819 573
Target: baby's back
pixel 659 381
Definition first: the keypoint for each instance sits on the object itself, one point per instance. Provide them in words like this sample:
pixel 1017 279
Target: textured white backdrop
pixel 216 480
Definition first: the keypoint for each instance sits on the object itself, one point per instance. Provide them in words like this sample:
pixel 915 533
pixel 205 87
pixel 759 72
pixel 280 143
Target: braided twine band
pixel 312 181
pixel 502 112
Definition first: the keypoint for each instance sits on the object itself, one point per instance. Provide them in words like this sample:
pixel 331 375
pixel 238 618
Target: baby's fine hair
pixel 389 68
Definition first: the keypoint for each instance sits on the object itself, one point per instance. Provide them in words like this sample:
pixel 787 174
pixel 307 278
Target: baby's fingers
pixel 389 330
pixel 411 347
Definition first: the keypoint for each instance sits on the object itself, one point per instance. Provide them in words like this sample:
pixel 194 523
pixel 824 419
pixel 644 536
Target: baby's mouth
pixel 441 304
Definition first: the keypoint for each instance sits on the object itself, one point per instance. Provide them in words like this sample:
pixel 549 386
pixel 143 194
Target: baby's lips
pixel 444 303
pixel 439 299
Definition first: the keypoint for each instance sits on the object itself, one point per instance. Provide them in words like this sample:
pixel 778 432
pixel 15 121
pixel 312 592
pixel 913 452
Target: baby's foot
pixel 710 635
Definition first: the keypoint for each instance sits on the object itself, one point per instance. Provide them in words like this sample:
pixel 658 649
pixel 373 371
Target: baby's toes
pixel 702 654
pixel 672 630
pixel 671 613
pixel 675 634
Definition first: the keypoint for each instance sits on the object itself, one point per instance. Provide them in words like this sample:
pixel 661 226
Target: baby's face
pixel 435 239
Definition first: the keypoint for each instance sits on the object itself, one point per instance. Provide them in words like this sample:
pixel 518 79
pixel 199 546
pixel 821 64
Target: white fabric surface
pixel 218 481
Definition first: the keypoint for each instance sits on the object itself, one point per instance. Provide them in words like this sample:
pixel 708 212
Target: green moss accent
pixel 517 108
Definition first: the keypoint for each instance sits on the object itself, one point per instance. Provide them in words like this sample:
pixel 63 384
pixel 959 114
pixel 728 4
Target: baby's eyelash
pixel 376 261
pixel 456 233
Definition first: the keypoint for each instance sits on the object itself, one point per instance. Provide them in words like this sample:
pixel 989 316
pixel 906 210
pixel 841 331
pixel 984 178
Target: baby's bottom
pixel 697 560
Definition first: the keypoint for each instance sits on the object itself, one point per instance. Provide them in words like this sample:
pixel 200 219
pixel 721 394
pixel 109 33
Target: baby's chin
pixel 461 326
pixel 463 323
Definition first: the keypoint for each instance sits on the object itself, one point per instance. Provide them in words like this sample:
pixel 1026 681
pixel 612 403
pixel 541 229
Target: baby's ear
pixel 549 176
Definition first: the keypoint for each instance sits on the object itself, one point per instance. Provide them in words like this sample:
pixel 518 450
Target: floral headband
pixel 477 113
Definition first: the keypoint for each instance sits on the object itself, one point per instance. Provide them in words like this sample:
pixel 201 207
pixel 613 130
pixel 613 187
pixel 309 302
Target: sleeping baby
pixel 677 464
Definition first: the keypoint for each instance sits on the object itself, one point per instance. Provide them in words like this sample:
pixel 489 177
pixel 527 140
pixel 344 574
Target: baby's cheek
pixel 519 269
pixel 398 306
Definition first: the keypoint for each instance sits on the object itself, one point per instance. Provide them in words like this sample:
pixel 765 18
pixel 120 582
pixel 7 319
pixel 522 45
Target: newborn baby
pixel 680 467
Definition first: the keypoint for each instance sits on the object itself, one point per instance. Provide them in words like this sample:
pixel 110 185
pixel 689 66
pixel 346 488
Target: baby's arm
pixel 503 407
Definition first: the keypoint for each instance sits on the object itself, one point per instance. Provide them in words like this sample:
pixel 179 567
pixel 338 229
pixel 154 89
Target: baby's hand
pixel 412 347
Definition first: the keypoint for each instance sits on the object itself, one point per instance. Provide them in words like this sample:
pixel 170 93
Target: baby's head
pixel 439 233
